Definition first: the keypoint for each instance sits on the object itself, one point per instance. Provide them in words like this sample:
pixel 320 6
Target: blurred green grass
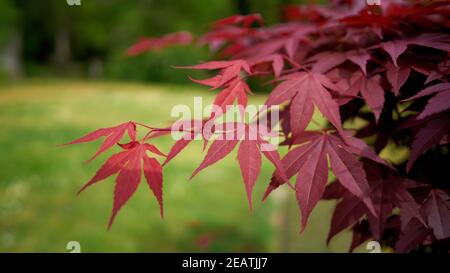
pixel 39 210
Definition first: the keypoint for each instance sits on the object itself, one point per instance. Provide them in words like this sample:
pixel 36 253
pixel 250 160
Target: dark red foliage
pixel 147 44
pixel 378 74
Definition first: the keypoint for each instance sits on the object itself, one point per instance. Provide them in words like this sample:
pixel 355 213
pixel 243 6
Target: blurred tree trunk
pixel 287 227
pixel 62 47
pixel 12 57
pixel 242 6
pixel 62 44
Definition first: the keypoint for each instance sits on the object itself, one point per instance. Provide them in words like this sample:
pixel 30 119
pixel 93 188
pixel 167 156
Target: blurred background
pixel 63 73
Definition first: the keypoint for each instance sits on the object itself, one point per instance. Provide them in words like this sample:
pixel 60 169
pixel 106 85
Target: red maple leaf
pixel 113 136
pixel 249 158
pixel 386 193
pixel 229 71
pixel 437 125
pixel 147 44
pixel 397 76
pixel 436 208
pixel 434 40
pixel 306 90
pixel 129 165
pixel 326 60
pixel 370 89
pixel 432 133
pixel 309 161
pixel 246 20
pixel 438 103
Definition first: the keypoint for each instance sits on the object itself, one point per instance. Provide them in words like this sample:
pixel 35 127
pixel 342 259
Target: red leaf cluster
pixel 378 74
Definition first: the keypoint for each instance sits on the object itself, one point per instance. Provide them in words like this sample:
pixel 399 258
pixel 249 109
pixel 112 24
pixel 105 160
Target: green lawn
pixel 39 209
